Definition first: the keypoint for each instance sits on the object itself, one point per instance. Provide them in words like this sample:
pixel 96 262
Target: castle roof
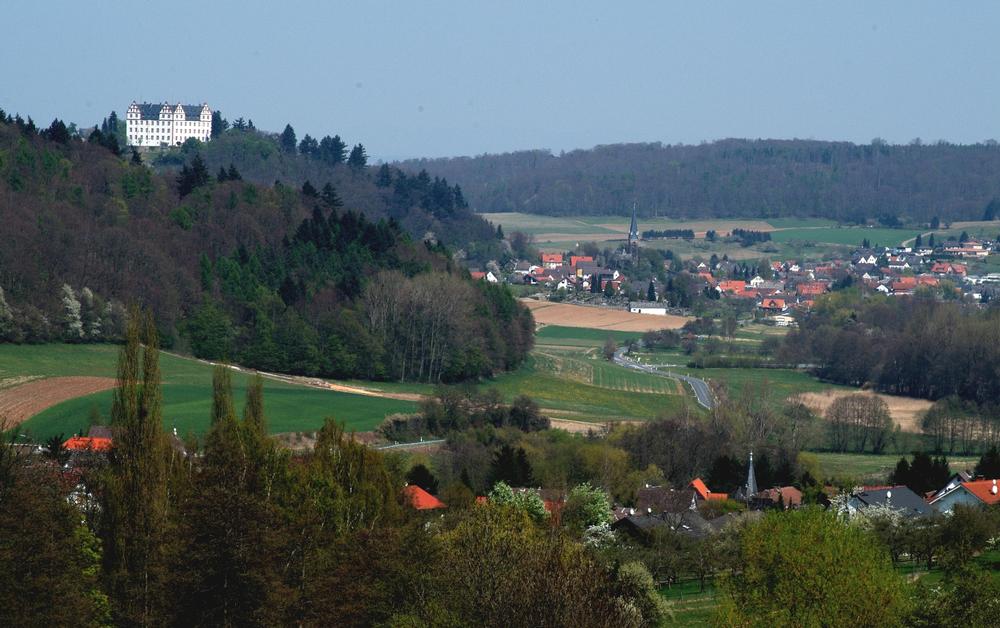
pixel 151 111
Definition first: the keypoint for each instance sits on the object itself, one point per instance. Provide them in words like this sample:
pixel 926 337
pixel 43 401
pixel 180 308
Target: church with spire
pixel 632 248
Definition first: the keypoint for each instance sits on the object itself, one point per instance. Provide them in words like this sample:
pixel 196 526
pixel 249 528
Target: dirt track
pixel 568 315
pixel 20 403
pixel 906 412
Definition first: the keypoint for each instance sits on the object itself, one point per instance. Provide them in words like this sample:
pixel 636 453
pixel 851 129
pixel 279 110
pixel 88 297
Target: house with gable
pixel 973 493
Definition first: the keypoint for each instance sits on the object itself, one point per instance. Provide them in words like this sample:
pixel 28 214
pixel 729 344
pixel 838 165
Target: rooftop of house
pixel 87 443
pixel 898 497
pixel 421 499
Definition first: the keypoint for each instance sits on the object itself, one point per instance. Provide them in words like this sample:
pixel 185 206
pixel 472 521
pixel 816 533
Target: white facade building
pixel 167 125
pixel 647 307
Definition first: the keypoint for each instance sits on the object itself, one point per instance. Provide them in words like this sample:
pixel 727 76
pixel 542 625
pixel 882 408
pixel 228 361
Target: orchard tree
pixel 807 568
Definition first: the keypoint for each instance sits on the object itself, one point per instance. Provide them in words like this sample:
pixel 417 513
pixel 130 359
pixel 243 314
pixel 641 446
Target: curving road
pixel 700 387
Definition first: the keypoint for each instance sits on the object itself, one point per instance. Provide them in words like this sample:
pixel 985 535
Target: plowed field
pixel 19 403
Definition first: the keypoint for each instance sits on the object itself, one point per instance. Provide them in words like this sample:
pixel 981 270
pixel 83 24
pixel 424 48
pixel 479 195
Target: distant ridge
pixel 735 178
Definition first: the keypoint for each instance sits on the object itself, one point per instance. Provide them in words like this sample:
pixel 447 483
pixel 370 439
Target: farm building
pixel 647 307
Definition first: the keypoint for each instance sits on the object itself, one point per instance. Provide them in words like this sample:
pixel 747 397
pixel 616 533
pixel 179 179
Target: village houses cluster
pixel 780 290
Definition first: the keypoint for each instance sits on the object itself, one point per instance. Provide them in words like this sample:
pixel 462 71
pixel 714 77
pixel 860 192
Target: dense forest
pixel 736 178
pixel 275 276
pixel 422 205
pixel 906 346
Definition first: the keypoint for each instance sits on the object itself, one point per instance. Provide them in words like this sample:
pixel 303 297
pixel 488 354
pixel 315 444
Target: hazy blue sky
pixel 456 78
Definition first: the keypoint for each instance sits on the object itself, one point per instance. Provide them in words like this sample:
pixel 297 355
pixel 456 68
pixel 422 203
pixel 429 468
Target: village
pixel 772 290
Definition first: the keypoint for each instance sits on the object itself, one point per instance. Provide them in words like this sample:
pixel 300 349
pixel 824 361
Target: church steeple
pixel 751 486
pixel 633 230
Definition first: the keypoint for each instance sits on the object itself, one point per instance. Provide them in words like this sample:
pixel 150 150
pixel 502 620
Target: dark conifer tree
pixel 309 190
pixel 330 197
pixel 421 476
pixel 288 141
pixel 222 177
pixel 233 174
pixel 383 178
pixel 357 159
pixel 219 124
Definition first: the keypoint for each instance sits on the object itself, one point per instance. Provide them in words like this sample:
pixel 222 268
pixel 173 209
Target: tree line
pixel 737 178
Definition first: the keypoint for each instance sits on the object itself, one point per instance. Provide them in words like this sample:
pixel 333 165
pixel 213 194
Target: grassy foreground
pixel 187 393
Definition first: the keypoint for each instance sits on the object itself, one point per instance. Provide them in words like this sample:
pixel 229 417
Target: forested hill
pixel 270 276
pixel 735 178
pixel 420 204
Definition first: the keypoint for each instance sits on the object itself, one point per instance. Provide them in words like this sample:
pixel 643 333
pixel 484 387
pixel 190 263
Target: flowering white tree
pixel 73 324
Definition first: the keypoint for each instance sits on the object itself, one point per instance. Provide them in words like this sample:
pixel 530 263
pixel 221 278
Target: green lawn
pixel 852 236
pixel 187 393
pixel 691 606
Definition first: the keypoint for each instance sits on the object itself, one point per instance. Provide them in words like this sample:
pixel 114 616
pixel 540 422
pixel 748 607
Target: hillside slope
pixel 736 178
pixel 268 275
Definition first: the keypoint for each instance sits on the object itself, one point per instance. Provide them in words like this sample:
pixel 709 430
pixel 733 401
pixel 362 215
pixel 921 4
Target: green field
pixel 851 236
pixel 187 393
pixel 560 385
pixel 581 336
pixel 861 466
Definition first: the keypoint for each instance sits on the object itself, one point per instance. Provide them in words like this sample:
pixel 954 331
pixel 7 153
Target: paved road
pixel 422 443
pixel 700 387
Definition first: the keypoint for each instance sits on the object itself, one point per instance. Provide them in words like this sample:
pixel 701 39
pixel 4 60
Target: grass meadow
pixel 187 393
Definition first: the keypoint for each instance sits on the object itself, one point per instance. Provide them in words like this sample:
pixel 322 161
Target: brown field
pixel 906 411
pixel 568 315
pixel 20 403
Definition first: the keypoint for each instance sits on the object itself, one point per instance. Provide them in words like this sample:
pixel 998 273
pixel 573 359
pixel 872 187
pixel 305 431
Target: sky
pixel 435 79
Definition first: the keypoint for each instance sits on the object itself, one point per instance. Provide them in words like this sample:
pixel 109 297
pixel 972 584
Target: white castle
pixel 150 124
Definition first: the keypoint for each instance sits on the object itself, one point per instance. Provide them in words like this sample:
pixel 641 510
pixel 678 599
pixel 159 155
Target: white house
pixel 647 307
pixel 149 124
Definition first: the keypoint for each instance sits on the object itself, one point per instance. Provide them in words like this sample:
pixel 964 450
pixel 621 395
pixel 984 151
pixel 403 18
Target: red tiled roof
pixel 85 443
pixel 554 258
pixel 576 259
pixel 421 499
pixel 699 485
pixel 811 288
pixel 983 490
pixel 477 274
pixel 731 285
pixel 701 488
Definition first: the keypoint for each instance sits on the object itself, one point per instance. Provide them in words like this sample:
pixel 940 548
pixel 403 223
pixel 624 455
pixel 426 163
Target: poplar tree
pixel 135 492
pixel 229 524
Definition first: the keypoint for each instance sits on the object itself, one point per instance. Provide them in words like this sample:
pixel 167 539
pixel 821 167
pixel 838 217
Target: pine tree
pixel 233 174
pixel 288 141
pixel 919 241
pixel 222 177
pixel 330 197
pixel 357 159
pixel 309 190
pixel 651 292
pixel 219 124
pixel 384 177
pixel 136 158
